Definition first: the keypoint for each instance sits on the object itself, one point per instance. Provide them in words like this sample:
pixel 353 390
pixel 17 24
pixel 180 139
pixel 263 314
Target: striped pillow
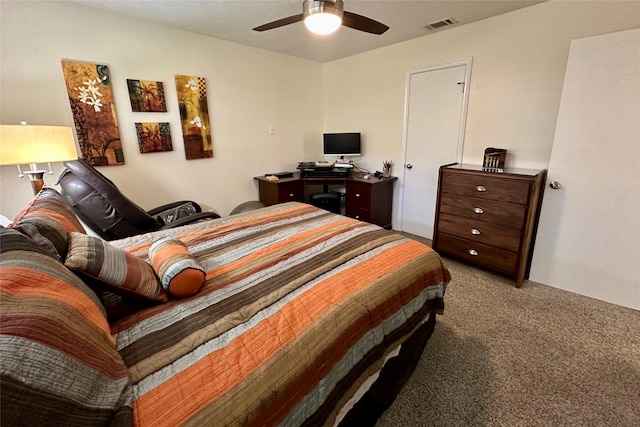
pixel 114 269
pixel 180 273
pixel 58 362
pixel 47 220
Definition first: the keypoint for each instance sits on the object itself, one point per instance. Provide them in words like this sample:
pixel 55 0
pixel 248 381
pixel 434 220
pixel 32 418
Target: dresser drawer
pixel 482 232
pixel 477 253
pixel 484 186
pixel 507 214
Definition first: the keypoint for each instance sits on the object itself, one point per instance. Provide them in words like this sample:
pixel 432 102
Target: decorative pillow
pixel 44 235
pixel 113 268
pixel 14 240
pixel 47 220
pixel 58 360
pixel 180 273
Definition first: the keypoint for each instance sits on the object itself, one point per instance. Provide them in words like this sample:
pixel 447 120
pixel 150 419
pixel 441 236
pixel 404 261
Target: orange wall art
pixel 154 137
pixel 194 117
pixel 94 112
pixel 146 96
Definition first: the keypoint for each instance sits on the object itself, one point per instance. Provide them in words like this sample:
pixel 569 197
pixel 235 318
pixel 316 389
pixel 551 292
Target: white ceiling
pixel 233 20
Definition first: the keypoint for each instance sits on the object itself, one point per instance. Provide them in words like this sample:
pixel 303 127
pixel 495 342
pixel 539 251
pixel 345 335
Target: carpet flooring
pixel 533 356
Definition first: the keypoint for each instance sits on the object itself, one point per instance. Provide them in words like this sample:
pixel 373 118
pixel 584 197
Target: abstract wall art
pixel 94 112
pixel 194 116
pixel 154 137
pixel 146 96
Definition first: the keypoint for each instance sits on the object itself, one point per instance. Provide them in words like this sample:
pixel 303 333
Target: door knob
pixel 409 166
pixel 555 185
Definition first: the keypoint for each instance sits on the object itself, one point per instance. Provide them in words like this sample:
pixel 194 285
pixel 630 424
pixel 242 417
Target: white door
pixel 589 233
pixel 435 112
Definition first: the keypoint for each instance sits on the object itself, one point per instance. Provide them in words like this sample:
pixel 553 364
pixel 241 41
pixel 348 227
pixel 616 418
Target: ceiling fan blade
pixel 279 23
pixel 362 23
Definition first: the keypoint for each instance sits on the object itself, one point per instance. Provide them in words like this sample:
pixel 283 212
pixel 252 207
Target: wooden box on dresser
pixel 489 218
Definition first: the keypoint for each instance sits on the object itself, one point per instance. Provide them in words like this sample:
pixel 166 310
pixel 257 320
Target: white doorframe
pixel 463 121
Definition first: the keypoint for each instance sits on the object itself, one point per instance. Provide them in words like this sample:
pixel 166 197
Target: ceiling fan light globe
pixel 322 23
pixel 322 16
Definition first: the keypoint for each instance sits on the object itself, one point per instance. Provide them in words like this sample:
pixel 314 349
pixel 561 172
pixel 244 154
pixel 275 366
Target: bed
pixel 305 317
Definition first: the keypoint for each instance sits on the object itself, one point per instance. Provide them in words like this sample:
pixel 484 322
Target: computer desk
pixel 369 200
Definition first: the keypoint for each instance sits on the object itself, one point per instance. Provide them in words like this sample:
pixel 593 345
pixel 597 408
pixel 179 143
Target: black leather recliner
pixel 103 208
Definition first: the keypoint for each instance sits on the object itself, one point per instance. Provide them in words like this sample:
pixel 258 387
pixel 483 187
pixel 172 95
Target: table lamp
pixel 33 144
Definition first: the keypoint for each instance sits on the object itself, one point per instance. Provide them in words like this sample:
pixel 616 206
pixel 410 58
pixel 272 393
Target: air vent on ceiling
pixel 439 24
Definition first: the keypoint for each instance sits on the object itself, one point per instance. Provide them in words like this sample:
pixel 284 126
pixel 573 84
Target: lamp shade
pixel 22 144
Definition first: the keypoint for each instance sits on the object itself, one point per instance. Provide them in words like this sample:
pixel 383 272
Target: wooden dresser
pixel 489 218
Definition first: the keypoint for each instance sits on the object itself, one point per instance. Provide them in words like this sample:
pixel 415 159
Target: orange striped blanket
pixel 296 300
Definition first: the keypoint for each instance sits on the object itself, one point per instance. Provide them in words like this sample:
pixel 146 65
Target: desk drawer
pixel 482 232
pixel 484 186
pixel 359 213
pixel 291 192
pixel 507 214
pixel 477 253
pixel 358 195
pixel 358 201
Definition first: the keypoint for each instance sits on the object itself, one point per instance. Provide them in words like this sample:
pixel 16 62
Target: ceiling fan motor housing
pixel 311 7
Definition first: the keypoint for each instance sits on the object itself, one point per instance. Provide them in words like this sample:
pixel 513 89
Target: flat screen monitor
pixel 342 144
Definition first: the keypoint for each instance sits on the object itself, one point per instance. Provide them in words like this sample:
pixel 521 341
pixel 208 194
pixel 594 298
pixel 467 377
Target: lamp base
pixel 37 180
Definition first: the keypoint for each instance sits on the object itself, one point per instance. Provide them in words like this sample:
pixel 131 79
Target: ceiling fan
pixel 326 16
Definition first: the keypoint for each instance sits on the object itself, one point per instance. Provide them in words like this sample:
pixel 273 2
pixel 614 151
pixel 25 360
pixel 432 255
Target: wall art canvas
pixel 146 96
pixel 194 117
pixel 94 112
pixel 154 137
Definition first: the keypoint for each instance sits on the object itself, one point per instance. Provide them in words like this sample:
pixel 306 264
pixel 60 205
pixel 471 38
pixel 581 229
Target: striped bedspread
pixel 299 305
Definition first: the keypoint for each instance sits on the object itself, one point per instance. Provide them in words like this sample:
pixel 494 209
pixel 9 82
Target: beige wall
pixel 249 89
pixel 518 66
pixel 519 61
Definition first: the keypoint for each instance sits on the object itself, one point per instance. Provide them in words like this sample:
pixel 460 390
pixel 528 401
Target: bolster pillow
pixel 178 270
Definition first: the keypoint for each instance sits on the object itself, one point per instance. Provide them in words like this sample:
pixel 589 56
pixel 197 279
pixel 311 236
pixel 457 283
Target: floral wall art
pixel 146 96
pixel 154 137
pixel 94 112
pixel 194 116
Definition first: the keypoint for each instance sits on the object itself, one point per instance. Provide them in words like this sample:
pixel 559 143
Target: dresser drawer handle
pixel 481 188
pixel 475 231
pixel 479 211
pixel 291 195
pixel 473 252
pixel 357 194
